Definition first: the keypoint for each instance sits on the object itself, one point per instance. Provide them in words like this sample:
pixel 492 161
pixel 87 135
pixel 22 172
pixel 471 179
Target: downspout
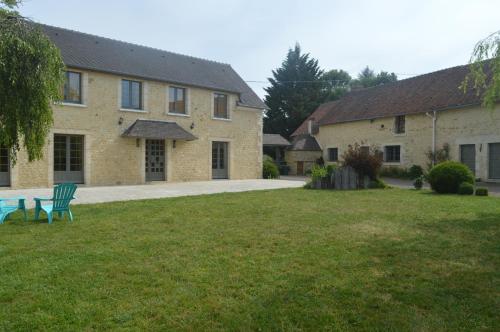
pixel 433 117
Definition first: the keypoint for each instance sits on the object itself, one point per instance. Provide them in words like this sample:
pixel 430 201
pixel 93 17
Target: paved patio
pixel 87 195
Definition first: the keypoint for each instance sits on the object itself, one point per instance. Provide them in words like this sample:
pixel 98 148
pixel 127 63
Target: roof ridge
pixel 402 80
pixel 136 45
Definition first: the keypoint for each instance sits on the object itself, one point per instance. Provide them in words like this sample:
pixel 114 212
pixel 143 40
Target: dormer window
pixel 399 124
pixel 73 88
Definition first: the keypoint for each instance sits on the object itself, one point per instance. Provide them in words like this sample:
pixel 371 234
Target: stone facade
pixel 472 125
pixel 110 159
pixel 306 158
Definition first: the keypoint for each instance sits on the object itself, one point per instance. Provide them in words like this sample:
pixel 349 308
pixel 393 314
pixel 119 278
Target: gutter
pixel 433 116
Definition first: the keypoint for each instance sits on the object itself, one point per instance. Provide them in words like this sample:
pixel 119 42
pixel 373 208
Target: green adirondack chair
pixel 63 194
pixel 7 209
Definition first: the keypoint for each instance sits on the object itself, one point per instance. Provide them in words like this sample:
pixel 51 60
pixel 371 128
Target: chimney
pixel 309 127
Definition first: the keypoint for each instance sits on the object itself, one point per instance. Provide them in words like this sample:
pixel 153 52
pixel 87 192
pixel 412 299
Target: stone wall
pixel 473 125
pixel 308 158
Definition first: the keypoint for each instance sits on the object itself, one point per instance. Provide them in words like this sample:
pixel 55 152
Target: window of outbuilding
pixel 333 154
pixel 392 153
pixel 400 124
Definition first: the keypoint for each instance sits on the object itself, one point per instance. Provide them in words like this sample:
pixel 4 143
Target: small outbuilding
pixel 274 145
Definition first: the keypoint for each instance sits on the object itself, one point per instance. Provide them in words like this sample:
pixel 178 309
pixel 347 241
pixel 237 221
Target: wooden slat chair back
pixel 63 195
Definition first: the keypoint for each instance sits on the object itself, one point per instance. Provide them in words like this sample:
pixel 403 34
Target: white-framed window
pixel 220 106
pixel 392 153
pixel 72 91
pixel 177 100
pixel 131 95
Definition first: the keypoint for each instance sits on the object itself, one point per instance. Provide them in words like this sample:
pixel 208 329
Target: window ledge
pixel 72 104
pixel 400 134
pixel 221 119
pixel 179 114
pixel 132 110
pixel 395 163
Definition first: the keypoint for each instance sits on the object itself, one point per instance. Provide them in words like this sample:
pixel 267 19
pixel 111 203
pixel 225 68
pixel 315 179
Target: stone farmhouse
pixel 133 114
pixel 405 120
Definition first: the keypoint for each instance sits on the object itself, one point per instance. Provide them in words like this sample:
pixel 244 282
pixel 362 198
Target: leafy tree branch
pixel 31 77
pixel 484 74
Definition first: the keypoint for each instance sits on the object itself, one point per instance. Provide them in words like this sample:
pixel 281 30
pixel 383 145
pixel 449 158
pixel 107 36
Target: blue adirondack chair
pixel 63 194
pixel 7 209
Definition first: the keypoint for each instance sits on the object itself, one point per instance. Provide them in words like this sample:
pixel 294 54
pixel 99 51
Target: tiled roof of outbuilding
pixel 85 51
pixel 305 142
pixel 429 92
pixel 274 140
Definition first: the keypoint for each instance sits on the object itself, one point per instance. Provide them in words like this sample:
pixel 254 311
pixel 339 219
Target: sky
pixel 405 37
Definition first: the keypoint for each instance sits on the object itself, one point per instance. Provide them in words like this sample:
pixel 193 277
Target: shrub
pixel 365 164
pixel 318 172
pixel 415 172
pixel 377 184
pixel 447 176
pixel 269 169
pixel 331 169
pixel 308 185
pixel 465 188
pixel 481 191
pixel 419 182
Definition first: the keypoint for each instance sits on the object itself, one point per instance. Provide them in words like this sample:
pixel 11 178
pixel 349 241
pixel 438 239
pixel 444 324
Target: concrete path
pixel 87 195
pixel 493 188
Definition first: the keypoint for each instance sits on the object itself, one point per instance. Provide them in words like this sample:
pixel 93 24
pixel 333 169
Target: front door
pixel 4 167
pixel 300 168
pixel 155 160
pixel 494 161
pixel 68 158
pixel 468 156
pixel 219 160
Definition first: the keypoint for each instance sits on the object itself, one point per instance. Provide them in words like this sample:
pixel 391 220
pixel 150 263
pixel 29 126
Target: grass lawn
pixel 290 259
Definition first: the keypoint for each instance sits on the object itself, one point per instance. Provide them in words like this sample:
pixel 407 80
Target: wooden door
pixel 300 168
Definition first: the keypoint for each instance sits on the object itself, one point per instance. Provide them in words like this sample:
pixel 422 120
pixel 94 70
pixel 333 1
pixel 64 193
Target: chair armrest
pixel 42 199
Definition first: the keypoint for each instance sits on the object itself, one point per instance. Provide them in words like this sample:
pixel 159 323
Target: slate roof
pixel 158 130
pixel 85 51
pixel 274 140
pixel 304 143
pixel 434 91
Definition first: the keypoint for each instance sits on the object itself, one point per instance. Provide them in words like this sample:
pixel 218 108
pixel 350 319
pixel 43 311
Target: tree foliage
pixel 484 74
pixel 336 83
pixel 367 78
pixel 365 162
pixel 31 76
pixel 295 92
